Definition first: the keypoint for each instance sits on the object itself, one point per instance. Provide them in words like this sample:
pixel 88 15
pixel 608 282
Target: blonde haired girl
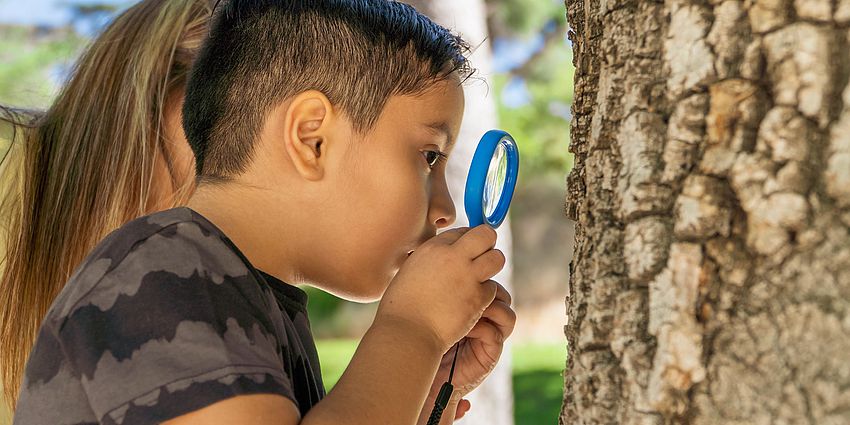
pixel 109 149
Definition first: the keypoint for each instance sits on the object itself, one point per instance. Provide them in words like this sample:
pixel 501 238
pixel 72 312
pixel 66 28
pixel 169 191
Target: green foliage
pixel 334 356
pixel 523 17
pixel 322 308
pixel 28 57
pixel 540 127
pixel 541 132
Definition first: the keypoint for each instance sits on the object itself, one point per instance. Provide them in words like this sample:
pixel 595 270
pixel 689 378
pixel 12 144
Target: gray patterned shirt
pixel 166 316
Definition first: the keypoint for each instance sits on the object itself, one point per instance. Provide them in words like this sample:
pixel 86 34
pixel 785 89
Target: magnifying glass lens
pixel 495 182
pixel 491 180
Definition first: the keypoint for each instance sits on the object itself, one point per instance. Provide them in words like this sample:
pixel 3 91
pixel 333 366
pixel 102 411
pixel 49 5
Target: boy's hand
pixel 479 352
pixel 444 288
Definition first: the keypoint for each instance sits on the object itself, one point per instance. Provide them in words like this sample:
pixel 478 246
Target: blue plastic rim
pixel 473 199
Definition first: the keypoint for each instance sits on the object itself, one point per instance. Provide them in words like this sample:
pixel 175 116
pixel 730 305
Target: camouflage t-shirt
pixel 166 316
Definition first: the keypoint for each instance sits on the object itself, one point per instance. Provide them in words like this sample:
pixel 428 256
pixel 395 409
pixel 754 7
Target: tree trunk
pixel 711 276
pixel 492 402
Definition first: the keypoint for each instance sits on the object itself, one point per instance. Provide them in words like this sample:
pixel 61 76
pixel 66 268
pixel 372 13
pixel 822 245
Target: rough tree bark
pixel 711 277
pixel 492 402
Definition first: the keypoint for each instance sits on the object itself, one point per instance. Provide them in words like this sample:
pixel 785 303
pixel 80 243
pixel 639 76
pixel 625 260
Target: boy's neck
pixel 245 216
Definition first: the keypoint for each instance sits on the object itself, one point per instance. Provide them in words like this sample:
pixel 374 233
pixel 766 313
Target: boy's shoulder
pixel 177 242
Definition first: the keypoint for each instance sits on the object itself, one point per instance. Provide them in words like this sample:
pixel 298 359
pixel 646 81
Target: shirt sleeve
pixel 177 325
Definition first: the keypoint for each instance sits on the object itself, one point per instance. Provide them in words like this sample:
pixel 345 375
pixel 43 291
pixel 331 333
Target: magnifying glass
pixel 489 189
pixel 491 180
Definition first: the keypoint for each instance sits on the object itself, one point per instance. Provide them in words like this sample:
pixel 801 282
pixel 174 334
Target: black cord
pixel 452 371
pixel 445 394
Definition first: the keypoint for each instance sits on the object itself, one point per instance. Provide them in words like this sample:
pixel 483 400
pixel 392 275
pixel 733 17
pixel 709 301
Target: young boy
pixel 320 131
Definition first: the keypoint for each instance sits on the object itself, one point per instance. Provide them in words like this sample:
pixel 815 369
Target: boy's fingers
pixel 502 316
pixel 488 264
pixel 476 241
pixel 489 335
pixel 488 292
pixel 502 294
pixel 462 407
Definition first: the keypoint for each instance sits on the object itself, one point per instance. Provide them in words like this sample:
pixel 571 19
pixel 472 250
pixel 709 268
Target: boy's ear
pixel 306 124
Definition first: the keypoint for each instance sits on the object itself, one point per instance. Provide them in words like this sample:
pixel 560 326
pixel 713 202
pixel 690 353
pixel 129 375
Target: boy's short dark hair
pixel 260 52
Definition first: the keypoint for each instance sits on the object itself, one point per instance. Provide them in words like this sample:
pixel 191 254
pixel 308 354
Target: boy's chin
pixel 365 297
pixel 368 290
pixel 366 286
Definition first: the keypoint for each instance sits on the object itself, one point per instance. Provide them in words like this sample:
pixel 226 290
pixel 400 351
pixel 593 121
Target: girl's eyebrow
pixel 442 127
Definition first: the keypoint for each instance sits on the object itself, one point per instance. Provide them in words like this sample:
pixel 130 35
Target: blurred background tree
pixel 40 39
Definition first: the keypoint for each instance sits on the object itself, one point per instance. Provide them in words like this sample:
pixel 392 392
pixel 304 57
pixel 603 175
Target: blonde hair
pixel 86 165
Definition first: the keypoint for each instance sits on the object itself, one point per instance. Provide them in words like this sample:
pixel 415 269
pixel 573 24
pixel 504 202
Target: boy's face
pixel 396 199
pixel 376 197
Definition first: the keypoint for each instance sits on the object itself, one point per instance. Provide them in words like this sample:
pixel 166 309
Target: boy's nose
pixel 446 221
pixel 442 211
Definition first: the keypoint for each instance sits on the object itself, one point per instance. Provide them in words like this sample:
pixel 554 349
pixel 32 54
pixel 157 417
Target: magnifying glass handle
pixel 445 393
pixel 441 403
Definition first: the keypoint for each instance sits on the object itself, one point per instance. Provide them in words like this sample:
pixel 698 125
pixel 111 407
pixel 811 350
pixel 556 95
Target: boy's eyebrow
pixel 442 127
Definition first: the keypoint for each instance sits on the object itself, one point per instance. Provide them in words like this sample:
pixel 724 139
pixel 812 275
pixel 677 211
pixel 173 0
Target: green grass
pixel 538 382
pixel 537 376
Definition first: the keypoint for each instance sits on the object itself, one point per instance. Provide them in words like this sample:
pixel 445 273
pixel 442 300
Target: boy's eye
pixel 433 157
